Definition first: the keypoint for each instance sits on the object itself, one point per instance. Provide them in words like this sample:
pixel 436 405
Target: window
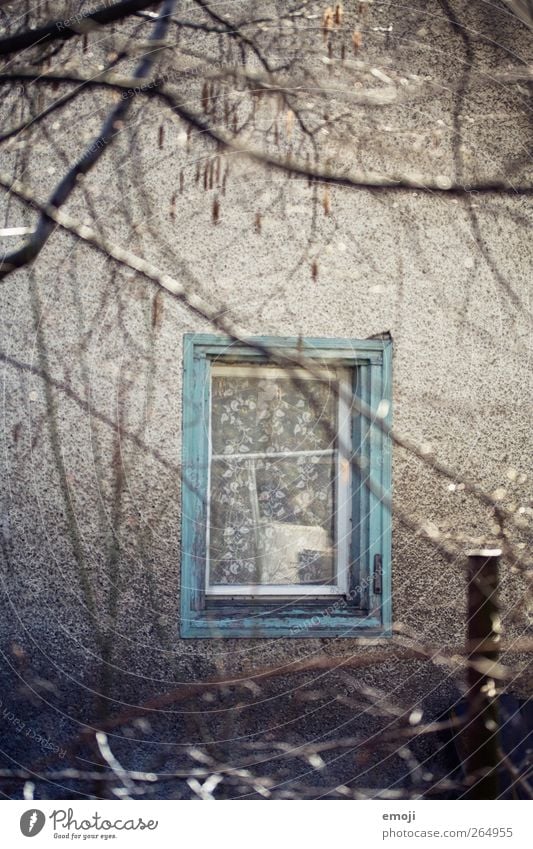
pixel 286 487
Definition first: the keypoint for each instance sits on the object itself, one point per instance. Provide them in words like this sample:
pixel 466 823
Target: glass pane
pixel 270 414
pixel 272 518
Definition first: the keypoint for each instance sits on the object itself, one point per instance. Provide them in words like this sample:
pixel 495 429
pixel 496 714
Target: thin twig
pixel 88 159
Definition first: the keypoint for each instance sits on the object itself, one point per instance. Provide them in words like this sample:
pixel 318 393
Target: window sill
pixel 224 618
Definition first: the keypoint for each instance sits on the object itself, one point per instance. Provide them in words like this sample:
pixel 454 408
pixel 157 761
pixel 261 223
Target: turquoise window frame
pixel 365 610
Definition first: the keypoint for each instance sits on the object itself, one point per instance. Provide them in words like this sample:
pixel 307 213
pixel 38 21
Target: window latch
pixel 378 569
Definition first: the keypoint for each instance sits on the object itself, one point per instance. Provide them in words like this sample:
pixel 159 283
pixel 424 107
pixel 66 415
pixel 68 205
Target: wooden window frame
pixel 342 494
pixel 365 608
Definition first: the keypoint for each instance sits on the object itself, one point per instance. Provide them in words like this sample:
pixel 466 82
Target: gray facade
pixel 92 356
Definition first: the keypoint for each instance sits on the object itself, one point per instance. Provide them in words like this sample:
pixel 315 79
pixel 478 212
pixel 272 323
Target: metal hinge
pixel 378 569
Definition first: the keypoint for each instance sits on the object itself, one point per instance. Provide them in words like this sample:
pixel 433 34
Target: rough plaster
pixel 460 319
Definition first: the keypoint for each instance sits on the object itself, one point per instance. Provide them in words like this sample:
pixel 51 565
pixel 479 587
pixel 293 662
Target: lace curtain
pixel 272 480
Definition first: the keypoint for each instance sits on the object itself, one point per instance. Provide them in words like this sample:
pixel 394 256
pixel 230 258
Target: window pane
pixel 272 518
pixel 270 414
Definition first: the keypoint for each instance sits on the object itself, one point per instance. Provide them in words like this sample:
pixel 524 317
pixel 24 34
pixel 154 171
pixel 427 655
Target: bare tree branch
pixel 376 182
pixel 89 158
pixel 523 9
pixel 197 304
pixel 63 30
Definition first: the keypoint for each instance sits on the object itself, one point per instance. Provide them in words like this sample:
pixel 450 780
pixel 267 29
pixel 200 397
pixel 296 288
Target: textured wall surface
pixel 91 377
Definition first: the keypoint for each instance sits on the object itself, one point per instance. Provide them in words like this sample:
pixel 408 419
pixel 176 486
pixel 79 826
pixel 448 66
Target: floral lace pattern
pixel 272 517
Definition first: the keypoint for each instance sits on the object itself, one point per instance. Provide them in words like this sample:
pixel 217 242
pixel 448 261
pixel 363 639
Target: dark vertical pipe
pixel 482 729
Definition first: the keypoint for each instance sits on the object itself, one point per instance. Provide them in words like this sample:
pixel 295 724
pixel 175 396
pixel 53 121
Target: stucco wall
pixel 91 511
